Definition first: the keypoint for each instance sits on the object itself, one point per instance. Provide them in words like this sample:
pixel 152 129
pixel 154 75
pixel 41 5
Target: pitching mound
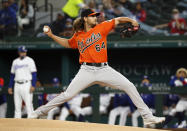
pixel 56 125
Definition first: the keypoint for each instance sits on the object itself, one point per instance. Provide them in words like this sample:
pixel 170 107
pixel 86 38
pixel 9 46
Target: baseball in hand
pixel 46 29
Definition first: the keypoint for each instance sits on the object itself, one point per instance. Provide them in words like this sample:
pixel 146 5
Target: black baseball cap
pixel 88 12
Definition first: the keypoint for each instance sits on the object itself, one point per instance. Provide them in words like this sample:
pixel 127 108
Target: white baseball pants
pixel 181 105
pixel 64 114
pixel 52 112
pixel 102 109
pixel 122 112
pixel 89 75
pixel 135 116
pixel 22 92
pixel 77 110
pixel 3 109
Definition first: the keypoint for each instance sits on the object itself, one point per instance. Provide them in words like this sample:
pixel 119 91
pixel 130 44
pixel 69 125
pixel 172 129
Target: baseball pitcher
pixel 90 38
pixel 23 78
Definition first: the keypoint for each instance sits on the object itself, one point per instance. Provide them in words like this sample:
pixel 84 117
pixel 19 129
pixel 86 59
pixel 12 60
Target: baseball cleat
pixel 153 120
pixel 182 125
pixel 33 116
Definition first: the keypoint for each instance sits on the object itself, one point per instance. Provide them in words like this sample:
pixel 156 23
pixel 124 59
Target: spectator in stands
pixel 13 5
pixel 107 4
pixel 101 17
pixel 124 7
pixel 68 30
pixel 58 25
pixel 92 4
pixel 184 13
pixel 109 9
pixel 126 4
pixel 8 20
pixel 26 14
pixel 72 8
pixel 177 25
pixel 3 103
pixel 140 13
pixel 122 10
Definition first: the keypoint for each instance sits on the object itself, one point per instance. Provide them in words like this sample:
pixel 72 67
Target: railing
pixel 45 7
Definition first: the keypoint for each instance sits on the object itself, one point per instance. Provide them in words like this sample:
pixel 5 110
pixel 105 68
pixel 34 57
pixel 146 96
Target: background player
pixel 179 80
pixel 122 107
pixel 75 106
pixel 105 102
pixel 23 77
pixel 170 101
pixel 3 103
pixel 90 38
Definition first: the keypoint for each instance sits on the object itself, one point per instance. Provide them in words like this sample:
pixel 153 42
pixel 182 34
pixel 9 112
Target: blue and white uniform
pixel 3 101
pixel 23 76
pixel 122 107
pixel 170 102
pixel 104 102
pixel 75 106
pixel 177 82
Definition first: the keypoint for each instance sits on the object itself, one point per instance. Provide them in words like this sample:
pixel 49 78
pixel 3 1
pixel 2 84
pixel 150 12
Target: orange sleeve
pixel 72 42
pixel 108 26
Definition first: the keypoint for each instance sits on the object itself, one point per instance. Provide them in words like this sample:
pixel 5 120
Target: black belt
pixel 21 82
pixel 95 64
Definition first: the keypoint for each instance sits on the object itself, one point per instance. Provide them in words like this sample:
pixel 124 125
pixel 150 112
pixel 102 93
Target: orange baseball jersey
pixel 92 45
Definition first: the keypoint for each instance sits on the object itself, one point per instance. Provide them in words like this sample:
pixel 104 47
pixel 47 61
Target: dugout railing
pixel 95 92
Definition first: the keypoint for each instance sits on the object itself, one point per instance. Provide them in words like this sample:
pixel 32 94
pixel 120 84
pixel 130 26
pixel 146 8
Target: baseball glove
pixel 128 30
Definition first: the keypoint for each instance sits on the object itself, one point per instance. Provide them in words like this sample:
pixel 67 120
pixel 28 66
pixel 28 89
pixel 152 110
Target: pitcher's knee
pixel 127 85
pixel 131 85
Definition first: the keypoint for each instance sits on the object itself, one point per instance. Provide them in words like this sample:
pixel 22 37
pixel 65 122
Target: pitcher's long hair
pixel 78 24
